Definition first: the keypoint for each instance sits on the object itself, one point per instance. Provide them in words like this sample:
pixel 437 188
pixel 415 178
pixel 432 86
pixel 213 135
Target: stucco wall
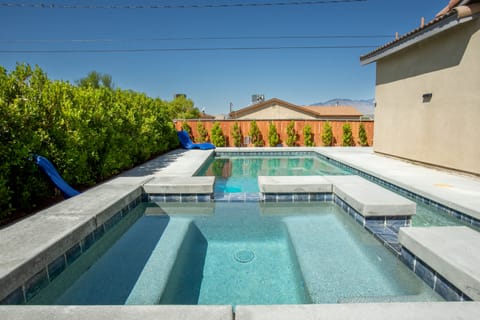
pixel 276 112
pixel 446 130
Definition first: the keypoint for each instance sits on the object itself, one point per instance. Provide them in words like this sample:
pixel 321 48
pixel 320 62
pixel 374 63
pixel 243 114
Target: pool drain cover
pixel 244 256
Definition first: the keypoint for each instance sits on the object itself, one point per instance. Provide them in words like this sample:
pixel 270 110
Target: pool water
pixel 236 253
pixel 235 174
pixel 239 173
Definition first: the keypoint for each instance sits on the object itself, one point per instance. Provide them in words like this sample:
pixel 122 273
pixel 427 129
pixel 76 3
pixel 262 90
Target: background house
pixel 276 109
pixel 428 92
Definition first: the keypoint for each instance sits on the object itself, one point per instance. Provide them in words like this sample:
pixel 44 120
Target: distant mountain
pixel 366 107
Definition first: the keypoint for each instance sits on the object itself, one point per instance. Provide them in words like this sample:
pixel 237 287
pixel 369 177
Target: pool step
pixel 367 198
pixel 438 253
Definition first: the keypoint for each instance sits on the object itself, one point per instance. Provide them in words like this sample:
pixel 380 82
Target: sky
pixel 155 50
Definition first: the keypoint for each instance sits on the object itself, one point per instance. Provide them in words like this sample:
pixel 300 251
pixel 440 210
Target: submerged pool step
pixel 237 197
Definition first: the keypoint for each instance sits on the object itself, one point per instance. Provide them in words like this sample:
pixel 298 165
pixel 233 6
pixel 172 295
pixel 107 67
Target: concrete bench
pixel 294 184
pixel 453 252
pixel 180 185
pixel 369 199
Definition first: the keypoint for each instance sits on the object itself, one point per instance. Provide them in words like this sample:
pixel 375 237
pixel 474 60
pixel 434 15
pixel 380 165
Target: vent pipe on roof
pixel 422 22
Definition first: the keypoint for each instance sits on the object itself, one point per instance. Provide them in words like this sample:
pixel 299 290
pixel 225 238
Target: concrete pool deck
pixel 461 192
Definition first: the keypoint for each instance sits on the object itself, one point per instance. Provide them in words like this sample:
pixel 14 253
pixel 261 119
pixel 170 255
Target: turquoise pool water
pixel 239 173
pixel 236 253
pixel 236 174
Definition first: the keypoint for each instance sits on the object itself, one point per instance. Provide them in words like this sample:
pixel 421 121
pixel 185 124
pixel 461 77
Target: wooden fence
pixel 281 125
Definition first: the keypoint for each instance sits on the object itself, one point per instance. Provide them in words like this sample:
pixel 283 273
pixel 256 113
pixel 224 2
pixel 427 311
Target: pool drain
pixel 244 256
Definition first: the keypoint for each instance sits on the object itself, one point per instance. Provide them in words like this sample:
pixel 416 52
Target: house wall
pixel 281 125
pixel 274 112
pixel 444 131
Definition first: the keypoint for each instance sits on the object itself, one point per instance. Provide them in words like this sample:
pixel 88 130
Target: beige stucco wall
pixel 276 112
pixel 446 130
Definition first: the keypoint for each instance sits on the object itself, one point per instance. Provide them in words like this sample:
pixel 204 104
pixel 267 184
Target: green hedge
pixel 90 134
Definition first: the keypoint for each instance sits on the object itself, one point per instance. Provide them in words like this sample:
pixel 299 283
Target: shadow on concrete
pixel 153 166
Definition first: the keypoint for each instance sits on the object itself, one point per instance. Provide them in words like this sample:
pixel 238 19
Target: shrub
pixel 273 138
pixel 362 134
pixel 88 133
pixel 308 136
pixel 187 128
pixel 327 134
pixel 292 136
pixel 255 134
pixel 202 132
pixel 218 139
pixel 237 135
pixel 347 138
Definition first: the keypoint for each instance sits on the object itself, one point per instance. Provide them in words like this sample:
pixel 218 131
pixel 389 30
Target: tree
pixel 202 132
pixel 96 80
pixel 273 138
pixel 347 138
pixel 237 135
pixel 362 134
pixel 255 134
pixel 182 108
pixel 218 139
pixel 292 136
pixel 327 134
pixel 308 136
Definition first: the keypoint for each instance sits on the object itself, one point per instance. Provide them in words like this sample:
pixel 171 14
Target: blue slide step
pixel 53 174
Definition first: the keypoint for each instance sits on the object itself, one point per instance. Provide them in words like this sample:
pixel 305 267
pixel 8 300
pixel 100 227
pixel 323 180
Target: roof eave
pixel 440 26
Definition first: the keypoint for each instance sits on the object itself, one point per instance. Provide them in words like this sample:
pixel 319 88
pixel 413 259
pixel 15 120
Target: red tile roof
pixel 463 9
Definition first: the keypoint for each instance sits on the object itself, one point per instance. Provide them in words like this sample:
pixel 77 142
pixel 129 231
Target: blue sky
pixel 213 79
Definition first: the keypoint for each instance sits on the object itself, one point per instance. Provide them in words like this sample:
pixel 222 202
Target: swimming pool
pixel 235 253
pixel 237 172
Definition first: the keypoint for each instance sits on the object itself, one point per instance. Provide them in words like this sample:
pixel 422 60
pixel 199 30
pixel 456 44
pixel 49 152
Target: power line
pixel 139 50
pixel 197 38
pixel 173 6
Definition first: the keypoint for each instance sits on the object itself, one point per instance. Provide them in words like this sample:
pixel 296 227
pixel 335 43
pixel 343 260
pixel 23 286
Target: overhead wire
pixel 172 6
pixel 280 37
pixel 185 49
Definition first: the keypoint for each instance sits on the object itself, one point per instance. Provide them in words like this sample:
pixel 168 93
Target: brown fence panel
pixel 281 125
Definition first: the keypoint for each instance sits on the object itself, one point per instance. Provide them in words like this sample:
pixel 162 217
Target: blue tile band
pixel 433 279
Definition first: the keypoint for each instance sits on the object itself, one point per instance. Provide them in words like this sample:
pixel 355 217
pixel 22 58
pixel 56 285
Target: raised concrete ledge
pixel 116 312
pixel 294 184
pixel 180 185
pixel 369 199
pixel 367 311
pixel 28 246
pixel 453 252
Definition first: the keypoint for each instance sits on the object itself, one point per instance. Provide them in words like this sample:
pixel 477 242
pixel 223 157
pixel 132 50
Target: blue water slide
pixel 56 178
pixel 187 143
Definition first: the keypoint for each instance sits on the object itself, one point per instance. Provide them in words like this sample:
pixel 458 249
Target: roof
pixel 314 111
pixel 464 11
pixel 334 111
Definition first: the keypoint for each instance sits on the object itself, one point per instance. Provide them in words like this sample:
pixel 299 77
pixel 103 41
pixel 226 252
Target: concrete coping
pixel 287 184
pixel 30 245
pixel 369 199
pixel 366 311
pixel 453 252
pixel 221 312
pixel 180 185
